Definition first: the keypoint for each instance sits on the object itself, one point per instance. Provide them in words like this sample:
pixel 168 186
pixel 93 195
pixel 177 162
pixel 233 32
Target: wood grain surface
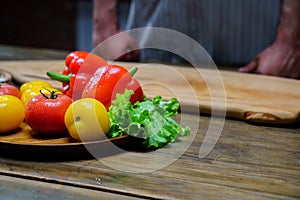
pixel 248 162
pixel 250 97
pixel 22 189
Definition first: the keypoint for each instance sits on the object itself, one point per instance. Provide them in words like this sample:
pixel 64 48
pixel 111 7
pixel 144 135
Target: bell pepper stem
pixel 133 70
pixel 59 77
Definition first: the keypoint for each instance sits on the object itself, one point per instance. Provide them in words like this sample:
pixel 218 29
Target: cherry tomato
pixel 11 113
pixel 45 113
pixel 10 90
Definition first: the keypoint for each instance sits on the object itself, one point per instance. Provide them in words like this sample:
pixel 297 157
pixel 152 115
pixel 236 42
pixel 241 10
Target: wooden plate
pixel 23 143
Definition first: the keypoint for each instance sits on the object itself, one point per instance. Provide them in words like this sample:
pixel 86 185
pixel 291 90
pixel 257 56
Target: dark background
pixel 56 24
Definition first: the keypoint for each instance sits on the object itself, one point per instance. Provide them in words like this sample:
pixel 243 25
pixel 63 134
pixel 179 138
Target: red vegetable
pixel 45 113
pixel 9 89
pixel 109 80
pixel 79 62
pixel 88 75
pixel 91 62
pixel 77 84
pixel 103 85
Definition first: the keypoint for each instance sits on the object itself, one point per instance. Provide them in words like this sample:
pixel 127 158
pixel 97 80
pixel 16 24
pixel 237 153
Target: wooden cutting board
pixel 249 97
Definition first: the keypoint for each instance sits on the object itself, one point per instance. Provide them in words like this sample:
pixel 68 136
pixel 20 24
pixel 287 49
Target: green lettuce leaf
pixel 151 120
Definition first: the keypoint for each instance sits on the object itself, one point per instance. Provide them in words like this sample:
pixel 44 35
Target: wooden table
pixel 248 162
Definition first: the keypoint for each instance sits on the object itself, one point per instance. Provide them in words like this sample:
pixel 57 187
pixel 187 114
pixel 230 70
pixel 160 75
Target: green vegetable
pixel 151 120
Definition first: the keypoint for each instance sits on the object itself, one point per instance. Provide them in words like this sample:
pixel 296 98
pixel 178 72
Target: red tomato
pixel 9 89
pixel 45 113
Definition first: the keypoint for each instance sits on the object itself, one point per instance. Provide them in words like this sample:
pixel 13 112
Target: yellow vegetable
pixel 32 84
pixel 12 113
pixel 87 120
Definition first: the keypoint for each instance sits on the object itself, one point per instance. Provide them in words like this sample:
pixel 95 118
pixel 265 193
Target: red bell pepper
pixel 88 75
pixel 75 83
pixel 76 59
pixel 72 60
pixel 103 85
pixel 109 80
pixel 78 62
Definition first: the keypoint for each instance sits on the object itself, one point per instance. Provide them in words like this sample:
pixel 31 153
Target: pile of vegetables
pixel 96 100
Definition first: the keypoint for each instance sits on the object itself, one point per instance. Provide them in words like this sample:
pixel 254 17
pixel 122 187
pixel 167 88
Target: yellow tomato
pixel 32 84
pixel 87 120
pixel 28 94
pixel 12 113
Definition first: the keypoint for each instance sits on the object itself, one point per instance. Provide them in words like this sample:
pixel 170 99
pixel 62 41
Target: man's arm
pixel 282 58
pixel 104 20
pixel 105 25
pixel 289 26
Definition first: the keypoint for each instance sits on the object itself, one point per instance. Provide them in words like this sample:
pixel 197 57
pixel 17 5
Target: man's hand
pixel 280 59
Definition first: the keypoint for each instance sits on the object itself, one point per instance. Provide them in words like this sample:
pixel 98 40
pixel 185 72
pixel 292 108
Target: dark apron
pixel 231 31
